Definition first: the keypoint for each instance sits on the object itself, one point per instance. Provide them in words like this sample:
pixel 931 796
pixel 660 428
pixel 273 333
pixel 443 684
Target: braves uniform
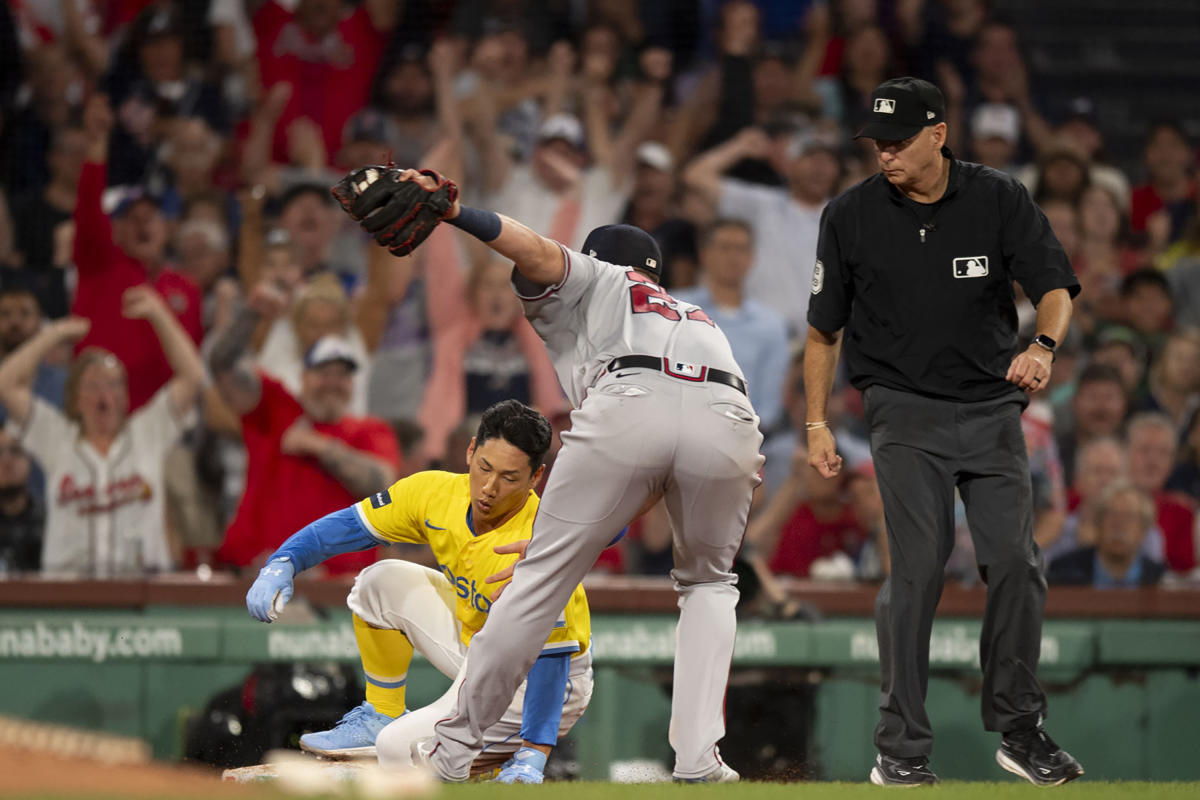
pixel 660 408
pixel 104 512
pixel 440 611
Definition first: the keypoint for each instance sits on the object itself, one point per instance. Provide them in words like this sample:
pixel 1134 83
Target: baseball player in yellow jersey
pixel 477 525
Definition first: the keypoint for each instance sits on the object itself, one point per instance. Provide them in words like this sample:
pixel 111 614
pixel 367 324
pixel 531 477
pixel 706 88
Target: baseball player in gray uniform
pixel 660 411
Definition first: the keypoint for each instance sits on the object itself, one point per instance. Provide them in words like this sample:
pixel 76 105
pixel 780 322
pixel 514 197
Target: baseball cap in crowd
pixel 996 121
pixel 368 125
pixel 812 141
pixel 298 190
pixel 157 21
pixel 329 349
pixel 122 199
pixel 901 107
pixel 1121 335
pixel 1080 108
pixel 656 155
pixel 562 126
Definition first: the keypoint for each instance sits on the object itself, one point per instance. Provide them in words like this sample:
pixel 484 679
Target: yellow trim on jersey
pixel 431 508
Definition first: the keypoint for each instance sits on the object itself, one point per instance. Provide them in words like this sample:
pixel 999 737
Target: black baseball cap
pixel 901 107
pixel 625 246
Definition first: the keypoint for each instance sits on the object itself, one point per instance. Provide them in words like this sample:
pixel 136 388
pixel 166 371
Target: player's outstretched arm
pixel 539 259
pixel 331 535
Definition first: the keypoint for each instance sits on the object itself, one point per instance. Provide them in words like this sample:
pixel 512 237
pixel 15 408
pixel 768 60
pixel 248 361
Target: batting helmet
pixel 625 246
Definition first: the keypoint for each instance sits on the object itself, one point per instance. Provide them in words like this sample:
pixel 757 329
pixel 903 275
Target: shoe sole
pixel 1016 769
pixel 345 754
pixel 878 779
pixel 726 774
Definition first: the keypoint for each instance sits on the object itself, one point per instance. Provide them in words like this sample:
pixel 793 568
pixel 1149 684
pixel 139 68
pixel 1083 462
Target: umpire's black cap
pixel 901 107
pixel 625 246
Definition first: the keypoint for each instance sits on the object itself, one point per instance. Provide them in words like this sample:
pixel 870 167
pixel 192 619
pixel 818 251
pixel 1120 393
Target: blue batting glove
pixel 271 590
pixel 524 767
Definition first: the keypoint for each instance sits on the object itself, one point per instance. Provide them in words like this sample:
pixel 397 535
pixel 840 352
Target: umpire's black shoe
pixel 1034 756
pixel 902 772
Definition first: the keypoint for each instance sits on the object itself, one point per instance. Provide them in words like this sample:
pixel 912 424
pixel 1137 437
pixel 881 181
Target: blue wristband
pixel 483 225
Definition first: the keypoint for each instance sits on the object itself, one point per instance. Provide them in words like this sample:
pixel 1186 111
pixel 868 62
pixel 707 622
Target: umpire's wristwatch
pixel 1045 342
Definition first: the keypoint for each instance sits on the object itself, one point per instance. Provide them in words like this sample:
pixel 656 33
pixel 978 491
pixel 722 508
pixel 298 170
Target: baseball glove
pixel 400 214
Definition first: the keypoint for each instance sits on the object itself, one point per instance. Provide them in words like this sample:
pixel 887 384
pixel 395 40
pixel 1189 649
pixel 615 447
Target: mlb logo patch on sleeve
pixel 971 267
pixel 380 499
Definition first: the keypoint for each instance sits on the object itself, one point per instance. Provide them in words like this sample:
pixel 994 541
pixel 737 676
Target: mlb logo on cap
pixel 901 108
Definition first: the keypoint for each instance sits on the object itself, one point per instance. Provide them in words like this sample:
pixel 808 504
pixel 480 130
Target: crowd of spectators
pixel 200 354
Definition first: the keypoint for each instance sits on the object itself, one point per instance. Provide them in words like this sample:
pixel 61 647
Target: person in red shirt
pixel 111 257
pixel 1151 439
pixel 306 456
pixel 1169 163
pixel 329 57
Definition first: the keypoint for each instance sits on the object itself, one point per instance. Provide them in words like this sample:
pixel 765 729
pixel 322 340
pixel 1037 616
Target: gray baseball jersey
pixel 637 433
pixel 625 312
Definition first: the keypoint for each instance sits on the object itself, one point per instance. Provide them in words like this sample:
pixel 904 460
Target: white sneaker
pixel 722 774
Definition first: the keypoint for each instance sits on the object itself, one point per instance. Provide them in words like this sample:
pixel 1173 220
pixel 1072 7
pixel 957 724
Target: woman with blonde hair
pixel 103 465
pixel 320 308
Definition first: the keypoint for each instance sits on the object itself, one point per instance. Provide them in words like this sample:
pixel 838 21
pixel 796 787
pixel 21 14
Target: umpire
pixel 915 265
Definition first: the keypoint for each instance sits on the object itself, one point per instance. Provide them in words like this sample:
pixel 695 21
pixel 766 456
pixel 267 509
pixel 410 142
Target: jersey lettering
pixel 652 300
pixel 649 298
pixel 467 590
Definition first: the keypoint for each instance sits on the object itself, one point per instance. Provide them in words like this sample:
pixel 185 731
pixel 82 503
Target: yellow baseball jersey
pixel 434 508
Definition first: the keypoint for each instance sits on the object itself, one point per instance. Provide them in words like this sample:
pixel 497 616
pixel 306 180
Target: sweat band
pixel 483 225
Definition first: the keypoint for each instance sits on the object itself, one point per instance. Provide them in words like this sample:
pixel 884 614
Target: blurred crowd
pixel 200 354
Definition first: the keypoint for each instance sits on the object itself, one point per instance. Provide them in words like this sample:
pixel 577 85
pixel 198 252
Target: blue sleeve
pixel 331 535
pixel 545 689
pixel 618 537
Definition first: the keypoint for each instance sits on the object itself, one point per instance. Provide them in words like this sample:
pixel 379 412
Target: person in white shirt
pixel 104 466
pixel 785 220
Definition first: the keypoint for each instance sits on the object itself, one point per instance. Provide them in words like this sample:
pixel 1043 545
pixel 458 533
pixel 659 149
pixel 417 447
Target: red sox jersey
pixel 600 311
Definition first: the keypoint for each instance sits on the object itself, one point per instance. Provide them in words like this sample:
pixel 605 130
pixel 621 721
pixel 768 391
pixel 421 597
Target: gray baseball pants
pixel 637 435
pixel 923 448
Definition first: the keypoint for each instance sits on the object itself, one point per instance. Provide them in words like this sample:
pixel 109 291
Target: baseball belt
pixel 687 372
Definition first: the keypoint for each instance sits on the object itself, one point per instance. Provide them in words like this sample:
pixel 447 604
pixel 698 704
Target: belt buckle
pixel 684 370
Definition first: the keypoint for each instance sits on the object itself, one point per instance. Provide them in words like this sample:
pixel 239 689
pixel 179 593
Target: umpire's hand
pixel 822 452
pixel 271 590
pixel 1031 369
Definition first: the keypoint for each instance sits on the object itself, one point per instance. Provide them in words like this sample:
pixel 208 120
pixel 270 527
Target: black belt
pixel 685 372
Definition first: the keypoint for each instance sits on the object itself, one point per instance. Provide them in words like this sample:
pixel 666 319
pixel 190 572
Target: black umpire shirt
pixel 924 291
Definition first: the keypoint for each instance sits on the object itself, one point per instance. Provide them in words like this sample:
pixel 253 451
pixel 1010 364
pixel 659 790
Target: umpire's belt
pixel 678 369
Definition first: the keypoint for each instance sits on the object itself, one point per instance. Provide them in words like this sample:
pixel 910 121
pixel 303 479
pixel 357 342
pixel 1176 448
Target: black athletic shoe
pixel 1034 756
pixel 903 772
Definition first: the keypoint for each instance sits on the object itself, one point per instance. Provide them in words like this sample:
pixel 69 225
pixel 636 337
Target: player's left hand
pixel 1031 369
pixel 271 590
pixel 399 207
pixel 503 575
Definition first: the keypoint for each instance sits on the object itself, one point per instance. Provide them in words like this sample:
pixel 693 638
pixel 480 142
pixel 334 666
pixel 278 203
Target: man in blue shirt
pixel 757 334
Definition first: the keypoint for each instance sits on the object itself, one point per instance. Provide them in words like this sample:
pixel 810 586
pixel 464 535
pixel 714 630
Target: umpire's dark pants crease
pixel 923 448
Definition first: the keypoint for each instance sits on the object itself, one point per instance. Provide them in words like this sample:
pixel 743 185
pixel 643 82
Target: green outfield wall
pixel 1125 694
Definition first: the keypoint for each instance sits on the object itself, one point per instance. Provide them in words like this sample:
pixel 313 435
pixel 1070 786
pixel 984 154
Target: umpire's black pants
pixel 923 448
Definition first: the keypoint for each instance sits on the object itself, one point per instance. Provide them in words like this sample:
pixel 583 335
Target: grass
pixel 960 790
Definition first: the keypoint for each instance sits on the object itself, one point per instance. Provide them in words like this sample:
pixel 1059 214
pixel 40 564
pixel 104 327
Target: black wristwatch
pixel 1045 342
